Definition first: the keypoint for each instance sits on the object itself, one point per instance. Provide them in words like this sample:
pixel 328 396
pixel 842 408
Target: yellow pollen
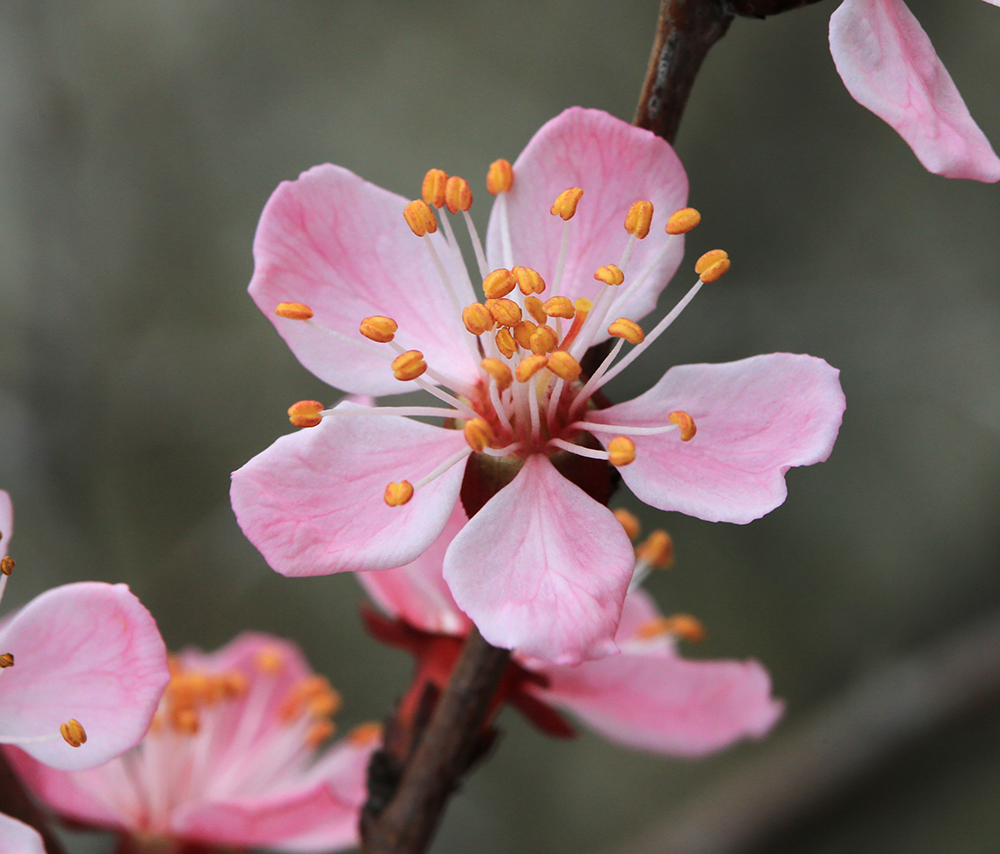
pixel 535 309
pixel 500 178
pixel 499 283
pixel 522 333
pixel 682 221
pixel 583 307
pixel 73 733
pixel 528 280
pixel 639 218
pixel 294 310
pixel 366 733
pixel 269 660
pixel 6 564
pixel 559 307
pixel 379 329
pixel 657 550
pixel 398 494
pixel 432 189
pixel 543 340
pixel 6 660
pixel 564 366
pixel 708 259
pixel 477 318
pixel 566 202
pixel 408 365
pixel 505 342
pixel 621 451
pixel 610 275
pixel 420 218
pixel 716 271
pixel 506 312
pixel 627 329
pixel 529 367
pixel 457 194
pixel 501 374
pixel 629 522
pixel 478 434
pixel 320 732
pixel 686 423
pixel 305 413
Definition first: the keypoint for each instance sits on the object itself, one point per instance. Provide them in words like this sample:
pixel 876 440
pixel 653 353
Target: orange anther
pixel 379 329
pixel 500 373
pixel 583 307
pixel 294 310
pixel 184 720
pixel 305 413
pixel 686 423
pixel 397 494
pixel 477 318
pixel 682 626
pixel 457 194
pixel 621 451
pixel 505 312
pixel 639 218
pixel 543 340
pixel 682 221
pixel 319 732
pixel 559 307
pixel 432 189
pixel 408 365
pixel 73 733
pixel 522 333
pixel 657 550
pixel 564 366
pixel 7 660
pixel 269 660
pixel 528 280
pixel 708 259
pixel 566 202
pixel 478 434
pixel 505 342
pixel 610 275
pixel 420 218
pixel 716 271
pixel 233 684
pixel 627 329
pixel 6 564
pixel 629 522
pixel 529 367
pixel 366 733
pixel 535 309
pixel 499 283
pixel 500 178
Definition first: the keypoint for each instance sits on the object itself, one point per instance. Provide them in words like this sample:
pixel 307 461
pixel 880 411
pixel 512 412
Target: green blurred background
pixel 138 145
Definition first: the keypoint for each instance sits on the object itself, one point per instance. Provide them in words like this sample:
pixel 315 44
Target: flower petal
pixel 417 592
pixel 6 522
pixel 755 418
pixel 542 568
pixel 88 651
pixel 889 66
pixel 615 164
pixel 17 838
pixel 313 503
pixel 340 245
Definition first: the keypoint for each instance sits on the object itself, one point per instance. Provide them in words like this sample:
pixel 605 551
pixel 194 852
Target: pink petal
pixel 542 568
pixel 17 838
pixel 615 164
pixel 88 651
pixel 417 592
pixel 341 246
pixel 6 522
pixel 755 419
pixel 313 503
pixel 889 66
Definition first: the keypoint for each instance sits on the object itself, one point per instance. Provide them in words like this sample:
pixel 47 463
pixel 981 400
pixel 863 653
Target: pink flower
pixel 542 566
pixel 83 669
pixel 889 66
pixel 231 759
pixel 646 697
pixel 17 838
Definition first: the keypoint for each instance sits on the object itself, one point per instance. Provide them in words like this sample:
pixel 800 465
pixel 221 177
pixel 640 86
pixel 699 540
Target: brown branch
pixel 17 803
pixel 449 745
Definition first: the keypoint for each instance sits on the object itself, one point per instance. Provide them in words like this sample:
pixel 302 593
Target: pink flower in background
pixel 17 838
pixel 889 66
pixel 646 697
pixel 542 565
pixel 231 759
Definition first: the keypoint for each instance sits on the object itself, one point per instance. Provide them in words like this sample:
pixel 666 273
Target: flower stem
pixel 17 803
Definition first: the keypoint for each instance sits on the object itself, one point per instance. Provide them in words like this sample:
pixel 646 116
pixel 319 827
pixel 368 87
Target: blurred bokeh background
pixel 138 144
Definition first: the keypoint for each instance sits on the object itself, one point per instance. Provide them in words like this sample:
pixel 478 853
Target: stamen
pixel 397 494
pixel 682 626
pixel 457 195
pixel 505 312
pixel 269 660
pixel 382 411
pixel 566 202
pixel 73 733
pixel 366 733
pixel 657 550
pixel 505 342
pixel 682 221
pixel 409 365
pixel 499 283
pixel 564 366
pixel 628 520
pixel 433 188
pixel 523 332
pixel 543 340
pixel 7 660
pixel 305 413
pixel 478 434
pixel 530 366
pixel 686 423
pixel 716 271
pixel 579 450
pixel 627 329
pixel 500 178
pixel 477 318
pixel 379 329
pixel 621 451
pixel 441 469
pixel 582 307
pixel 420 218
pixel 559 307
pixel 477 244
pixel 597 427
pixel 528 280
pixel 293 310
pixel 535 309
pixel 610 275
pixel 639 218
pixel 500 373
pixel 708 259
pixel 319 732
pixel 6 565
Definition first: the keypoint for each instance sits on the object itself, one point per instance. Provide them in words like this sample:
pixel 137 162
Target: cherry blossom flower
pixel 231 760
pixel 889 66
pixel 17 838
pixel 647 697
pixel 375 299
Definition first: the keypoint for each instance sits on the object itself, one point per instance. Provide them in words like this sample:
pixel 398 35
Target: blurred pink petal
pixel 17 838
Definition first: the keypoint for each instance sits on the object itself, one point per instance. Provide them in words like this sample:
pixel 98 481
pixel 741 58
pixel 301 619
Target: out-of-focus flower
pixel 17 838
pixel 890 66
pixel 647 697
pixel 230 760
pixel 542 566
